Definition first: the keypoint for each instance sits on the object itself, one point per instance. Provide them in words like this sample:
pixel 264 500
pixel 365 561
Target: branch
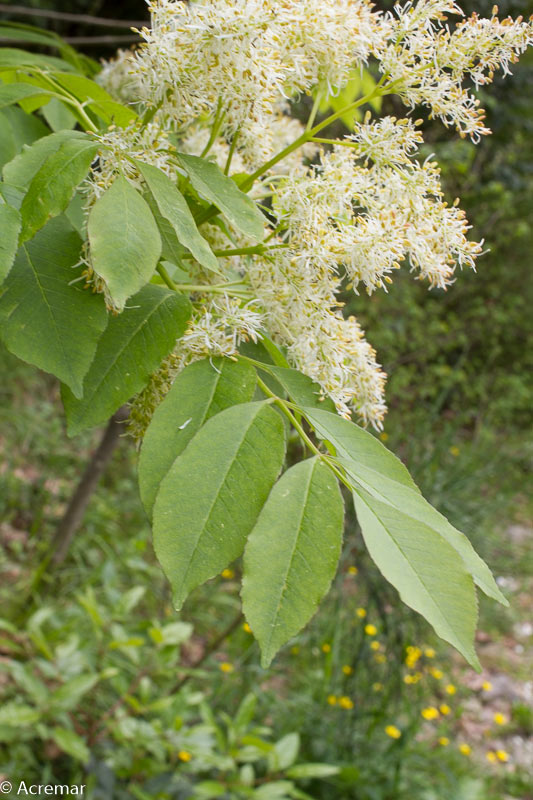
pixel 82 19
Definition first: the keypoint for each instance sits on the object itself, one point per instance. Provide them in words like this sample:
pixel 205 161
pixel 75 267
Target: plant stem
pixel 166 277
pixel 231 152
pixel 217 123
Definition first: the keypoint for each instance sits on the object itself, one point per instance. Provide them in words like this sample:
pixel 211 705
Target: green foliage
pixel 211 183
pixel 210 498
pixel 292 553
pixel 124 240
pixel 200 391
pixel 66 321
pixel 131 348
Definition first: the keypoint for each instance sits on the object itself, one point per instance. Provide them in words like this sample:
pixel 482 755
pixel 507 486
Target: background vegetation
pixel 98 670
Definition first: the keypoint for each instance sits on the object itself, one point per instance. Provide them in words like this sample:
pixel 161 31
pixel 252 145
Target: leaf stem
pixel 166 277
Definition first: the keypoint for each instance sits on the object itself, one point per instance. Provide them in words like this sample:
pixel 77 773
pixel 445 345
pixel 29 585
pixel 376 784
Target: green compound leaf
pixel 125 244
pixel 173 207
pixel 11 93
pixel 54 184
pixel 292 553
pixel 200 391
pixel 374 468
pixel 43 319
pixel 428 572
pixel 132 347
pixel 353 442
pixel 413 504
pixel 210 182
pixel 20 171
pixel 210 498
pixel 10 224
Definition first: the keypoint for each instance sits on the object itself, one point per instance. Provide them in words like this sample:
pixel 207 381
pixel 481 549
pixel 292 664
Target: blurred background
pixel 104 684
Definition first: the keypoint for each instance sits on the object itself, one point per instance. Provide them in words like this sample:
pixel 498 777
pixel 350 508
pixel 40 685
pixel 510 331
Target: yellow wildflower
pixel 499 718
pixel 225 666
pixel 393 731
pixel 412 656
pixel 377 687
pixel 430 712
pixel 345 702
pixel 227 574
pixel 454 450
pixel 183 755
pixel 502 755
pixel 429 652
pixel 450 689
pixel 332 699
pixel 465 749
pixel 326 648
pixel 444 741
pixel 295 649
pixel 361 612
pixel 379 658
pixel 409 679
pixel 437 673
pixel 370 630
pixel 246 628
pixel 486 686
pixel 352 570
pixel 490 755
pixel 383 436
pixel 374 645
pixel 444 709
pixel 347 669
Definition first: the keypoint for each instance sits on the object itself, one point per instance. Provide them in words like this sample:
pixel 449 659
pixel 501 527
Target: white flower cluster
pixel 368 206
pixel 428 63
pixel 218 77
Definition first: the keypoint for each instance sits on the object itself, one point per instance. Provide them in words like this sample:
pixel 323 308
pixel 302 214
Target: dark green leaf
pixel 199 392
pixel 125 244
pixel 43 319
pixel 301 389
pixel 427 571
pixel 292 553
pixel 54 184
pixel 211 497
pixel 9 232
pixel 132 347
pixel 173 207
pixel 211 183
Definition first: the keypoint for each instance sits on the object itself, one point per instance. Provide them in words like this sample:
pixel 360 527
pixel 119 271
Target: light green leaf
pixel 10 224
pixel 312 771
pixel 20 171
pixel 301 389
pixel 69 694
pixel 356 444
pixel 200 391
pixel 17 715
pixel 44 320
pixel 173 207
pixel 413 504
pixel 16 130
pixel 124 241
pixel 273 790
pixel 58 115
pixel 211 497
pixel 11 93
pixel 291 555
pixel 132 347
pixel 72 744
pixel 54 184
pixel 8 145
pixel 13 58
pixel 96 99
pixel 211 183
pixel 285 751
pixel 428 572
